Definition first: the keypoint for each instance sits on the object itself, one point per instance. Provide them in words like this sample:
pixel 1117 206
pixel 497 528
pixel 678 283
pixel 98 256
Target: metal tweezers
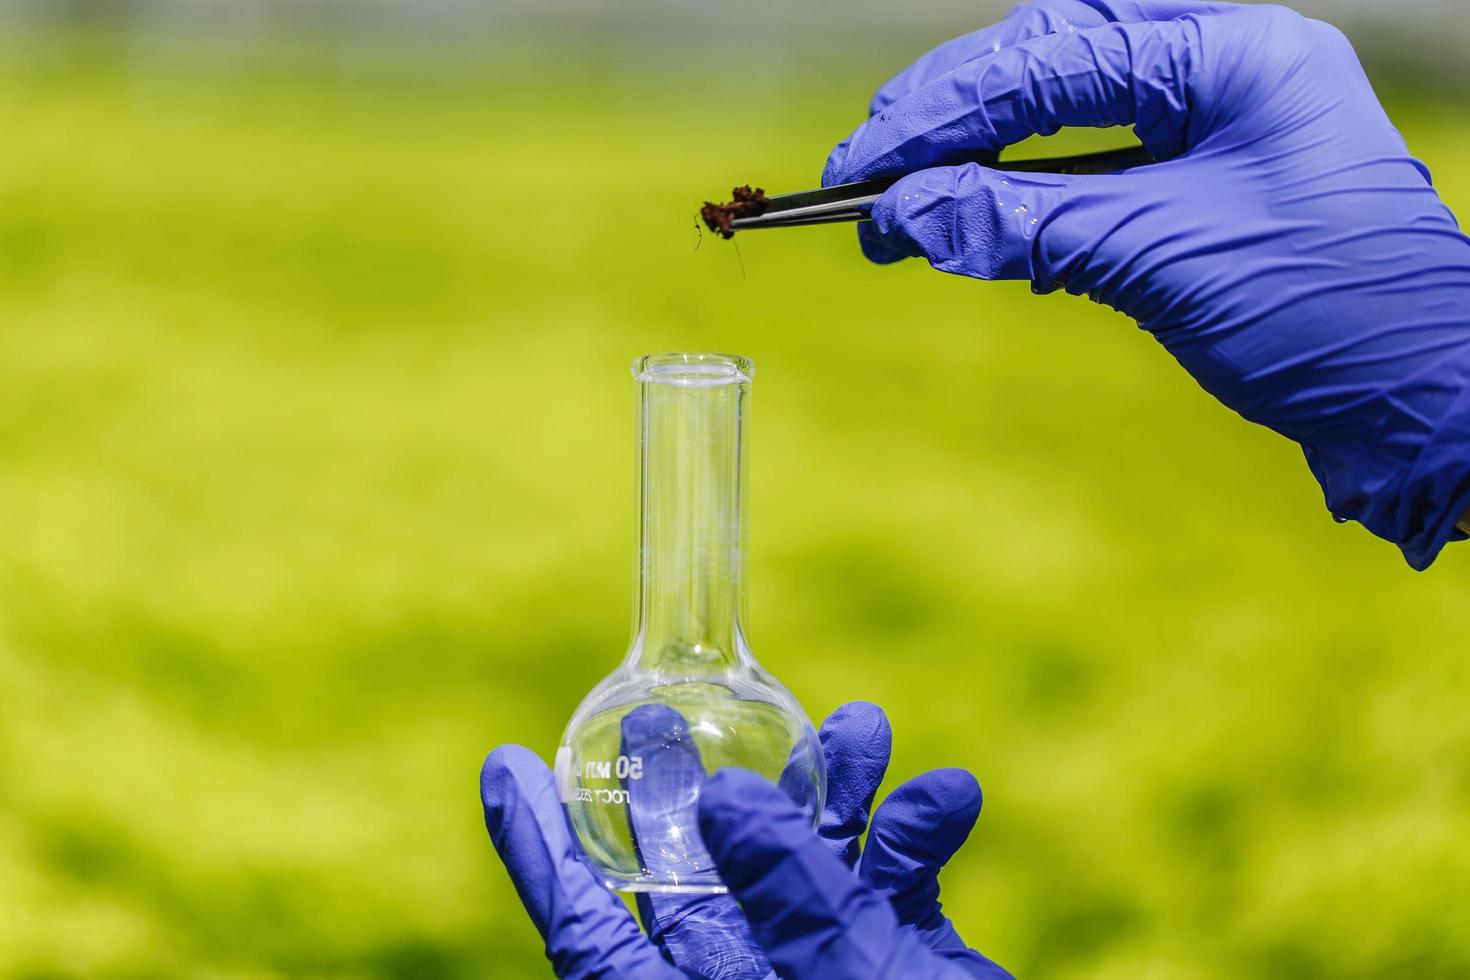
pixel 853 202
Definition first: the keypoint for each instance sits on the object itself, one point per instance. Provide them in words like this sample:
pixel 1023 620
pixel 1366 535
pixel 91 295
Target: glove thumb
pixel 991 224
pixel 813 916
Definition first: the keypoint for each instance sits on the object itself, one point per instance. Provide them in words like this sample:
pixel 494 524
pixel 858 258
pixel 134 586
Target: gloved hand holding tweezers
pixel 1285 248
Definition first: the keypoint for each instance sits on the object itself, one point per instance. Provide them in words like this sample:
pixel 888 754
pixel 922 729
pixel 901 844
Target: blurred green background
pixel 316 483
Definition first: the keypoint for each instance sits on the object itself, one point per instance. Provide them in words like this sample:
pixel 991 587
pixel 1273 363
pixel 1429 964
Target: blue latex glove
pixel 893 886
pixel 1288 250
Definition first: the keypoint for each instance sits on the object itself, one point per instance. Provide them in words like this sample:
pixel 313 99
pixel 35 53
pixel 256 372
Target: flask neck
pixel 690 596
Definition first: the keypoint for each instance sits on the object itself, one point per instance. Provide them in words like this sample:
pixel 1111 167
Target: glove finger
pixel 857 741
pixel 588 931
pixel 874 250
pixel 1025 22
pixel 798 779
pixel 1052 229
pixel 808 911
pixel 1118 74
pixel 703 933
pixel 969 220
pixel 661 801
pixel 916 830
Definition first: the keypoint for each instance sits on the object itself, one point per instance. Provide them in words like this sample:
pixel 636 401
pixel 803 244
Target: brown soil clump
pixel 744 203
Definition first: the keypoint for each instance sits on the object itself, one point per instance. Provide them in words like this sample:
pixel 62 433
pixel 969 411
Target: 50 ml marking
pixel 625 767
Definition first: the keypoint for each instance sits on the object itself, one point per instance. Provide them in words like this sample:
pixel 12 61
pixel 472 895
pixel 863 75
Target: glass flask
pixel 689 697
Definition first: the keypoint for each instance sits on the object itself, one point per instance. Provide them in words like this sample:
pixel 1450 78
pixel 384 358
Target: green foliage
pixel 315 484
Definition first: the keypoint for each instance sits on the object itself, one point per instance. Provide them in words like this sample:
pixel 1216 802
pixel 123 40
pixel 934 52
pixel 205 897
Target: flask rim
pixel 693 369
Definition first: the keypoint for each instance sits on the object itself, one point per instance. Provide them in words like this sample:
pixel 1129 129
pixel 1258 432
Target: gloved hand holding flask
pixel 1286 248
pixel 813 906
